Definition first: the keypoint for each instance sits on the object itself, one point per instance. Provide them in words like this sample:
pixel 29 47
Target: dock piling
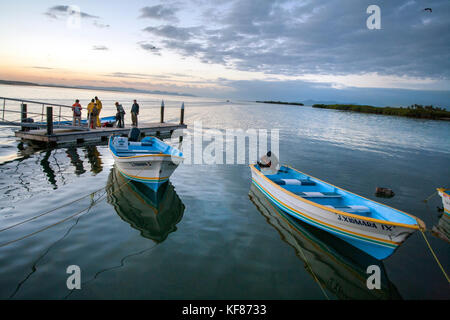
pixel 182 114
pixel 50 121
pixel 23 115
pixel 162 111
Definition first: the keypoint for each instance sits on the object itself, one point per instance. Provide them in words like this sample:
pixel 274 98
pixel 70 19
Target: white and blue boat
pixel 372 227
pixel 150 160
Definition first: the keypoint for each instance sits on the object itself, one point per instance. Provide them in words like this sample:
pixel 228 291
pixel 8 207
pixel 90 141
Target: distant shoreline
pixel 113 89
pixel 414 111
pixel 281 102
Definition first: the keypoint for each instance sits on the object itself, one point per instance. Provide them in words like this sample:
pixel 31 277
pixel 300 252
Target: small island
pixel 413 111
pixel 281 102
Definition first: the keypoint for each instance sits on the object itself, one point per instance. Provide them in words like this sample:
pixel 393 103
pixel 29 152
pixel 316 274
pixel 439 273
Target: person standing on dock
pixel 76 108
pixel 120 115
pixel 134 114
pixel 92 114
pixel 99 108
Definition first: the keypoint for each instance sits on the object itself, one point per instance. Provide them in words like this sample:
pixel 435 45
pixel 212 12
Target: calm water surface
pixel 208 234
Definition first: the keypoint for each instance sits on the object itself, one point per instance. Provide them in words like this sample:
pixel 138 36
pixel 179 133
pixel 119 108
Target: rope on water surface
pixel 431 196
pixel 435 257
pixel 314 275
pixel 67 218
pixel 52 225
pixel 49 211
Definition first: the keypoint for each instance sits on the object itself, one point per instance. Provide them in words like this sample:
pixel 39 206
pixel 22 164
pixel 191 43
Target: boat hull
pixel 378 239
pixel 153 170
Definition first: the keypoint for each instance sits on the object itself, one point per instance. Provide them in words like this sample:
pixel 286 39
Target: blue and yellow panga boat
pixel 370 226
pixel 150 160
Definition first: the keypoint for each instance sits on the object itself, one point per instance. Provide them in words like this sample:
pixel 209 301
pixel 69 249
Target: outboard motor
pixel 134 134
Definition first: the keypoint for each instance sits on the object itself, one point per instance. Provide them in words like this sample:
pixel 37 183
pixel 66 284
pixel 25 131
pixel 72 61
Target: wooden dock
pixel 62 131
pixel 63 136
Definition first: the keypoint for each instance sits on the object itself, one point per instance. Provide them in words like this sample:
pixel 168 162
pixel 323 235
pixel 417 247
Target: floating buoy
pixel 384 192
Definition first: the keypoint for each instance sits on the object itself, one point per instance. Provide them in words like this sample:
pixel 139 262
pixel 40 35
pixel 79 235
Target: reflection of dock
pixel 333 263
pixel 60 136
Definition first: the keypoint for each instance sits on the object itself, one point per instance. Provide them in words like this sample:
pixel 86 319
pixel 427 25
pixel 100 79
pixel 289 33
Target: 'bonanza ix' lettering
pixel 356 221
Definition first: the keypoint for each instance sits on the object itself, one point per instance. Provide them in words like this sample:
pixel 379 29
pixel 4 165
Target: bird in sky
pixel 428 9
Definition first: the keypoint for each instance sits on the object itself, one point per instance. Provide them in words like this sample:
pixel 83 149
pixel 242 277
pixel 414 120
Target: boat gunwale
pixel 386 222
pixel 443 190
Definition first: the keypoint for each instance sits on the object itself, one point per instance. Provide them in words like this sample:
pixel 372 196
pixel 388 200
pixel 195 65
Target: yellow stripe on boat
pixel 145 178
pixel 148 155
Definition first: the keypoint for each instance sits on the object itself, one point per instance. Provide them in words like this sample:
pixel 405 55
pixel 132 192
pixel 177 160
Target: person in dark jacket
pixel 134 114
pixel 120 115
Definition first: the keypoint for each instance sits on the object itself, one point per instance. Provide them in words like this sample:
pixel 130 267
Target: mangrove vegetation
pixel 281 102
pixel 413 111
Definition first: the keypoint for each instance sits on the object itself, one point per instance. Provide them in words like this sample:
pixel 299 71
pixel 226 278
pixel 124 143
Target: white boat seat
pixel 319 194
pixel 298 182
pixel 352 209
pixel 140 144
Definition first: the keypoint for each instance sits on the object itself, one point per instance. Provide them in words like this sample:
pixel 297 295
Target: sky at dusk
pixel 280 50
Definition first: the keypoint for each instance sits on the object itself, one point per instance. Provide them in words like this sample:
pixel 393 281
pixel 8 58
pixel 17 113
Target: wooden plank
pixel 68 135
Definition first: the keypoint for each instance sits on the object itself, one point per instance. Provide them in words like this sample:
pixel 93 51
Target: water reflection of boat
pixel 340 268
pixel 154 213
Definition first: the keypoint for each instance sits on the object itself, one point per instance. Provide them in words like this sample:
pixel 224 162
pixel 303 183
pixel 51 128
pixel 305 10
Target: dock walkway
pixel 61 136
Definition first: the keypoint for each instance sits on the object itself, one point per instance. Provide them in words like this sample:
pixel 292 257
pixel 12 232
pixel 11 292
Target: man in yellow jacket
pixel 99 108
pixel 92 114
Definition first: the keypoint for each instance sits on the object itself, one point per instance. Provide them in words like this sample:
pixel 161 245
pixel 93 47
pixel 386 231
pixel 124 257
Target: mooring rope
pixel 314 275
pixel 53 224
pixel 435 257
pixel 101 198
pixel 50 211
pixel 431 196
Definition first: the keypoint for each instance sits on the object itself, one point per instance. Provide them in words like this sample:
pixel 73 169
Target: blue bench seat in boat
pixel 319 194
pixel 299 182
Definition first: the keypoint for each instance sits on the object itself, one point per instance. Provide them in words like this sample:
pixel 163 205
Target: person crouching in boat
pixel 269 163
pixel 76 108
